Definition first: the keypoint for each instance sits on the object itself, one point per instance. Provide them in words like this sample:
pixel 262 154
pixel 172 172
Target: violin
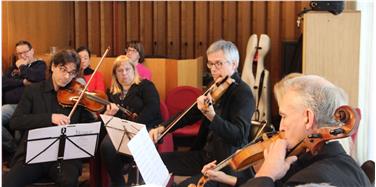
pixel 216 91
pixel 93 101
pixel 348 122
pixel 82 92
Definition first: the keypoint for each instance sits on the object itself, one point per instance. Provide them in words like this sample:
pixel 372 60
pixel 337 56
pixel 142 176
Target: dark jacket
pixel 331 165
pixel 35 110
pixel 12 80
pixel 231 125
pixel 142 99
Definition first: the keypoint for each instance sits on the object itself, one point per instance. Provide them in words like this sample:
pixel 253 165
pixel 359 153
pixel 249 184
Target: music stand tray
pixel 121 132
pixel 62 142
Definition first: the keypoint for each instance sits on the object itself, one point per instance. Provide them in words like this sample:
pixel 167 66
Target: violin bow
pixel 88 82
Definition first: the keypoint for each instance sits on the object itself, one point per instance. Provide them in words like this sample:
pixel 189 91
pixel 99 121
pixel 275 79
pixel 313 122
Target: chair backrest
pixel 164 110
pixel 181 97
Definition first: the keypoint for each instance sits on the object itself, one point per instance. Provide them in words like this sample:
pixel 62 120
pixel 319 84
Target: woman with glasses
pixel 137 95
pixel 39 108
pixel 135 52
pixel 97 83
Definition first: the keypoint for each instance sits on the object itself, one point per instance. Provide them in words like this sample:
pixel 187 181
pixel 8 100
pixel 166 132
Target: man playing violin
pixel 38 108
pixel 226 123
pixel 306 103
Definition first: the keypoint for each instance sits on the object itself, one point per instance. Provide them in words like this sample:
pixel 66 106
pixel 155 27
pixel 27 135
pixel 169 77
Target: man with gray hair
pixel 226 123
pixel 306 103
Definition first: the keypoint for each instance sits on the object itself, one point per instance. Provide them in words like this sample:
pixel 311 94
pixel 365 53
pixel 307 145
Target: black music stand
pixel 60 143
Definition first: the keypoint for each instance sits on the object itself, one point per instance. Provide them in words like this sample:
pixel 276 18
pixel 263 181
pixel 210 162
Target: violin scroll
pixel 347 119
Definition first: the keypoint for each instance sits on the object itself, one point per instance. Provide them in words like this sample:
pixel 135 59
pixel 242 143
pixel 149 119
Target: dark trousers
pixel 114 162
pixel 22 175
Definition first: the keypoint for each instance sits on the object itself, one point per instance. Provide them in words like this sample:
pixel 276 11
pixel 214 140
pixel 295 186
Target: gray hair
pixel 228 48
pixel 318 94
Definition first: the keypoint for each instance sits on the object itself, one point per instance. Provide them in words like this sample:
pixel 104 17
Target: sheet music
pixel 120 132
pixel 88 140
pixel 148 161
pixel 40 139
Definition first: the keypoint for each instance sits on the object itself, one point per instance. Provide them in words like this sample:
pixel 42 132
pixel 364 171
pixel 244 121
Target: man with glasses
pixel 226 123
pixel 26 70
pixel 39 108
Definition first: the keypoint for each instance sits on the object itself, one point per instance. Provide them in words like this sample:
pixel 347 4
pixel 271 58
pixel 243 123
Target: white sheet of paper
pixel 50 134
pixel 116 127
pixel 148 161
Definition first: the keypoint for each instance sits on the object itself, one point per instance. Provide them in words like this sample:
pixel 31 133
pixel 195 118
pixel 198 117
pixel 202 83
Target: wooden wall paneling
pixel 118 27
pixel 244 30
pixel 7 43
pixel 187 30
pixel 288 20
pixel 119 19
pixel 258 17
pixel 39 27
pixel 172 75
pixel 190 72
pixel 106 23
pixel 70 21
pixel 133 20
pixel 273 31
pixel 201 31
pixel 230 20
pixel 94 27
pixel 275 58
pixel 215 21
pixel 80 24
pixel 164 72
pixel 146 26
pixel 160 28
pixel 301 5
pixel 173 29
pixel 201 28
pixel 105 68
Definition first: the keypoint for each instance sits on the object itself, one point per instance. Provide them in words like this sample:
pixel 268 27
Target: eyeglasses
pixel 130 50
pixel 23 52
pixel 217 64
pixel 64 70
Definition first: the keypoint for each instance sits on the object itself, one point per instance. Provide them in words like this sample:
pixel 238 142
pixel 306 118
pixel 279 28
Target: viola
pixel 94 101
pixel 216 91
pixel 347 119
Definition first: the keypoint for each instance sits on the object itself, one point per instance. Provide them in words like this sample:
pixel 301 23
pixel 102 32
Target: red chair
pixel 167 145
pixel 178 100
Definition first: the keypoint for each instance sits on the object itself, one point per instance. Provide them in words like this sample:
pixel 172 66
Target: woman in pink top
pixel 135 52
pixel 97 83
